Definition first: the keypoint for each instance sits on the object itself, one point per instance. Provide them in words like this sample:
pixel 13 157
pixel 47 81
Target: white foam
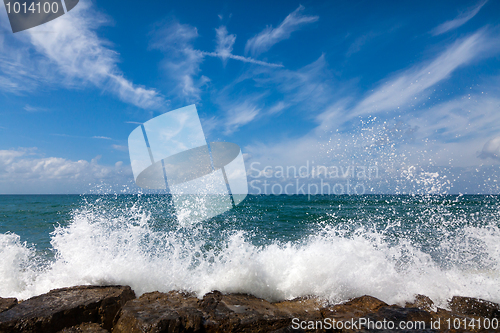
pixel 122 248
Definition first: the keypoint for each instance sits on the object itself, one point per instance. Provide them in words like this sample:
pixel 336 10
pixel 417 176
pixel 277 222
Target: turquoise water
pixel 276 247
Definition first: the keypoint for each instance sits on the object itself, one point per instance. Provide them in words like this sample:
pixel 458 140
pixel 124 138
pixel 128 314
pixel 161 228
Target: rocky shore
pixel 116 309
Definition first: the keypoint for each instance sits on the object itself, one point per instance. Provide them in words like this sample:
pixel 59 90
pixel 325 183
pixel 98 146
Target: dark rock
pixel 160 312
pixel 85 328
pixel 307 308
pixel 7 303
pixel 398 314
pixel 474 307
pixel 115 309
pixel 355 308
pixel 241 313
pixel 180 312
pixel 422 302
pixel 66 307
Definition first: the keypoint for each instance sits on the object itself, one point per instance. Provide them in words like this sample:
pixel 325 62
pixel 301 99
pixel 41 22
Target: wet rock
pixel 216 312
pixel 7 303
pixel 66 307
pixel 422 302
pixel 474 307
pixel 396 314
pixel 115 309
pixel 241 313
pixel 85 328
pixel 160 312
pixel 355 308
pixel 303 307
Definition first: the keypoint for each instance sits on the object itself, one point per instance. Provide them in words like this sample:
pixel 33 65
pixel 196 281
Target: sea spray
pixel 369 245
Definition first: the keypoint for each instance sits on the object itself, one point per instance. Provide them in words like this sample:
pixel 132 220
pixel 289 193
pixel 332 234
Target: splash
pixel 128 244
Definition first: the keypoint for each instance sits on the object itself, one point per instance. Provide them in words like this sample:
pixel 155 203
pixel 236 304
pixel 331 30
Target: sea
pixel 275 247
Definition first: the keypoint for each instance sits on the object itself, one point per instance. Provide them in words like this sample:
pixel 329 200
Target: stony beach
pixel 117 309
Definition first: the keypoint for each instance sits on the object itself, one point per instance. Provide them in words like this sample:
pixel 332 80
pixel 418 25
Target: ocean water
pixel 274 247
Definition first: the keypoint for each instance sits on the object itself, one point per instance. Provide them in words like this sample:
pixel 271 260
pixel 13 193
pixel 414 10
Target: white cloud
pixel 459 20
pixel 24 170
pixel 404 88
pixel 101 137
pixel 119 147
pixel 225 42
pixel 30 108
pixel 303 89
pixel 491 149
pixel 373 131
pixel 70 48
pixel 183 61
pixel 239 115
pixel 277 108
pixel 269 36
pixel 241 58
pixel 474 116
pixel 224 49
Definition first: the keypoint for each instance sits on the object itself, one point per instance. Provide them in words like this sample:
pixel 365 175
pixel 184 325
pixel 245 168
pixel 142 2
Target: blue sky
pixel 412 88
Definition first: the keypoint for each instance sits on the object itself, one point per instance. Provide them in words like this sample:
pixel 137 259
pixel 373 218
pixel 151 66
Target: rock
pixel 398 314
pixel 85 328
pixel 355 308
pixel 115 309
pixel 66 307
pixel 160 312
pixel 241 313
pixel 307 308
pixel 374 310
pixel 216 312
pixel 422 302
pixel 474 307
pixel 7 303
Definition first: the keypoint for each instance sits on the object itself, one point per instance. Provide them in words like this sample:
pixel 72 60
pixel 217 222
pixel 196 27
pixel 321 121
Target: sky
pixel 407 90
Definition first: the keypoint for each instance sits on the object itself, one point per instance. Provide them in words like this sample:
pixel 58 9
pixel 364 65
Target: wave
pixel 125 246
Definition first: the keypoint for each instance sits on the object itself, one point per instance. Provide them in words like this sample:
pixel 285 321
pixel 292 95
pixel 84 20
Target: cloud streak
pixel 459 20
pixel 399 91
pixel 240 58
pixel 70 48
pixel 183 60
pixel 268 37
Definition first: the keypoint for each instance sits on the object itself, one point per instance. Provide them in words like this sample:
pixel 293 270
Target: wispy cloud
pixel 71 48
pixel 183 61
pixel 269 36
pixel 277 108
pixel 119 147
pixel 404 88
pixel 360 42
pixel 225 43
pixel 303 89
pixel 491 149
pixel 373 130
pixel 99 137
pixel 459 20
pixel 224 49
pixel 241 58
pixel 240 115
pixel 32 109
